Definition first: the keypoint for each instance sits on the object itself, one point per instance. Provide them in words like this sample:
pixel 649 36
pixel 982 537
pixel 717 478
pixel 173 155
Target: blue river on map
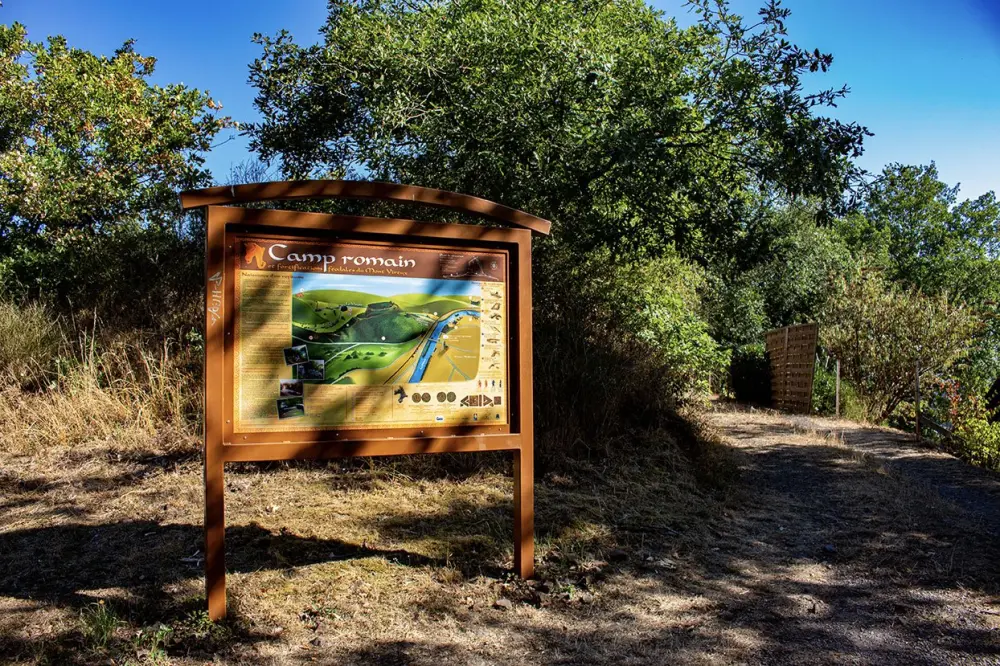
pixel 431 345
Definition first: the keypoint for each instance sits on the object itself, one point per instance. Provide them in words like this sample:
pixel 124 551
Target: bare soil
pixel 779 540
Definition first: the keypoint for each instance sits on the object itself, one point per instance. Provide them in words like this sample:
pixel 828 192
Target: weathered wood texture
pixel 792 355
pixel 356 189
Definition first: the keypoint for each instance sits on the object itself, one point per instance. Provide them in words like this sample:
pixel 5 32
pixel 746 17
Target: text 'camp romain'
pixel 277 252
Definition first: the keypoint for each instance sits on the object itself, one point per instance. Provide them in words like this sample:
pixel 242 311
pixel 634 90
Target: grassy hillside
pixel 393 326
pixel 441 306
pixel 341 296
pixel 416 301
pixel 341 360
pixel 411 302
pixel 304 314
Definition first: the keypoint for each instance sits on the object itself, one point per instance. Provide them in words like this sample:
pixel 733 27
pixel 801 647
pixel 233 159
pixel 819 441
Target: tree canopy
pixel 92 156
pixel 913 225
pixel 603 115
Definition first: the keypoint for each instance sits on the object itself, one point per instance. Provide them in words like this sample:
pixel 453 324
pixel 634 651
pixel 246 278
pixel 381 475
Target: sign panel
pixel 354 335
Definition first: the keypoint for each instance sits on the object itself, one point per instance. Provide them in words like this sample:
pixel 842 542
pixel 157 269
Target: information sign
pixel 332 336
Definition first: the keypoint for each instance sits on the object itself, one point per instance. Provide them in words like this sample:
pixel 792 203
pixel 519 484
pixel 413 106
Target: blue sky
pixel 924 74
pixel 382 285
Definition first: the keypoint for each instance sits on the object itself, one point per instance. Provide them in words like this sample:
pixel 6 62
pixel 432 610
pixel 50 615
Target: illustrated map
pixel 373 330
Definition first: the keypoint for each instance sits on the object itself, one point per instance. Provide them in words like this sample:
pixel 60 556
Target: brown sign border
pixel 224 224
pixel 333 434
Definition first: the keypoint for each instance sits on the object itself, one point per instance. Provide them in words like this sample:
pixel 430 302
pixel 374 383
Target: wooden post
pixel 917 384
pixel 215 518
pixel 524 513
pixel 524 457
pixel 837 392
pixel 784 376
pixel 215 537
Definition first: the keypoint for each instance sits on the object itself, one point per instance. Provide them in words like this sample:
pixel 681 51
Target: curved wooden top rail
pixel 360 189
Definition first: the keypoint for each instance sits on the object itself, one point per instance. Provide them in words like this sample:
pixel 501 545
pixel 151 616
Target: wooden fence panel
pixel 792 354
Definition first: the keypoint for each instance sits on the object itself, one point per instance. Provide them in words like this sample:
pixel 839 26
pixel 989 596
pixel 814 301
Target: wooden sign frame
pixel 225 224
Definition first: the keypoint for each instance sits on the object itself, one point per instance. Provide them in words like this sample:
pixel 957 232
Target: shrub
pixel 750 375
pixel 880 332
pixel 736 310
pixel 133 276
pixel 617 346
pixel 852 407
pixel 977 439
pixel 656 305
pixel 980 442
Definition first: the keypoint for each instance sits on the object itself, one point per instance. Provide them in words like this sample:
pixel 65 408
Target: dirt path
pixel 975 490
pixel 856 555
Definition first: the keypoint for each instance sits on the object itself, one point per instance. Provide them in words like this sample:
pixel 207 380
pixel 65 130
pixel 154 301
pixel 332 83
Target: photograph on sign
pixel 353 335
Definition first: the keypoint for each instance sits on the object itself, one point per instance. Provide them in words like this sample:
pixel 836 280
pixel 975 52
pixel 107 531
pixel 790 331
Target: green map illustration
pixel 388 330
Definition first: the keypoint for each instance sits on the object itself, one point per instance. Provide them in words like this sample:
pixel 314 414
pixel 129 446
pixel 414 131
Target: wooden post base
pixel 524 513
pixel 215 538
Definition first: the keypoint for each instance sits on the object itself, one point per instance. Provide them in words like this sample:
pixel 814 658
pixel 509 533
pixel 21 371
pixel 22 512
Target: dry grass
pixel 651 557
pixel 120 394
pixel 31 335
pixel 336 559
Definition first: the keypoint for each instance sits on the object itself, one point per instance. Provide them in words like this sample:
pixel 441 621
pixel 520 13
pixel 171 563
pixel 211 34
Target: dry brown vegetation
pixel 711 537
pixel 126 396
pixel 348 561
pixel 654 557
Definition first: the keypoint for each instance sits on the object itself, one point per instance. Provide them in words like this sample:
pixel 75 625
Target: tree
pixel 787 280
pixel 914 227
pixel 91 159
pixel 603 115
pixel 880 331
pixel 86 143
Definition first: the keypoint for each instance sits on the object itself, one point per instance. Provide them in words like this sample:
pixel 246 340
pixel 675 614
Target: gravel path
pixel 855 546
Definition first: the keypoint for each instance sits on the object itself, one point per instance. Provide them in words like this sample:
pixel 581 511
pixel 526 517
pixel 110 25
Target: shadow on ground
pixel 57 563
pixel 975 489
pixel 817 555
